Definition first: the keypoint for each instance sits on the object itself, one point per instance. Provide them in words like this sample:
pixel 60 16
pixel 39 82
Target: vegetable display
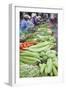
pixel 38 56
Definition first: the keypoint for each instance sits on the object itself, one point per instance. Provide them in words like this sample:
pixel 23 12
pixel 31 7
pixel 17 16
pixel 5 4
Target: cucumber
pixel 55 72
pixel 49 65
pixel 42 44
pixel 55 63
pixel 39 49
pixel 30 58
pixel 26 61
pixel 31 54
pixel 42 67
pixel 46 70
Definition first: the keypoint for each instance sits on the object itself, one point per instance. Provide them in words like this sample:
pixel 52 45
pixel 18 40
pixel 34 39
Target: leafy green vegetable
pixel 29 70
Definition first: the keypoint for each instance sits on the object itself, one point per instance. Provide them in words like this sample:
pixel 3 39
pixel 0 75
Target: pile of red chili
pixel 26 44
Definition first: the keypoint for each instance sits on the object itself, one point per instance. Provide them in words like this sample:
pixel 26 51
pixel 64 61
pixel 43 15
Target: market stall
pixel 38 51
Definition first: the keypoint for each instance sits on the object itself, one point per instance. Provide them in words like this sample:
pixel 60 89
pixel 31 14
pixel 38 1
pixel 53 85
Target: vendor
pixel 33 18
pixel 23 23
pixel 26 23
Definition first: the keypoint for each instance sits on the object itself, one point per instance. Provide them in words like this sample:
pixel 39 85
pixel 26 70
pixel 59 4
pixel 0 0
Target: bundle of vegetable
pixel 28 70
pixel 45 30
pixel 42 38
pixel 41 46
pixel 47 61
pixel 42 30
pixel 49 69
pixel 28 57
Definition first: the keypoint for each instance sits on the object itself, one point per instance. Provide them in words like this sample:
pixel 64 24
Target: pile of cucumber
pixel 42 56
pixel 50 68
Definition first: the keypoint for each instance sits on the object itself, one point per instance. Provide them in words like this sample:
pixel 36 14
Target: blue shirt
pixel 23 24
